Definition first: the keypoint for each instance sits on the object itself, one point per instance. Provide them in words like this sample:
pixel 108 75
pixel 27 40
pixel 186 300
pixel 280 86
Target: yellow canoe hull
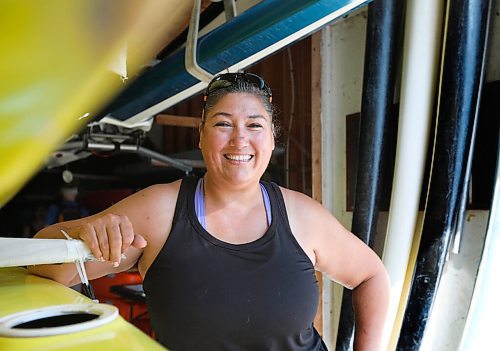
pixel 57 69
pixel 21 291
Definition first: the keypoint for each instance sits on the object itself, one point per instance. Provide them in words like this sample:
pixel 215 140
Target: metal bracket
pixel 156 156
pixel 192 45
pixel 230 9
pixel 140 151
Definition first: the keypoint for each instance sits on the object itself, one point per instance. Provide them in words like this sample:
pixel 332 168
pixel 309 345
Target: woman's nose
pixel 239 137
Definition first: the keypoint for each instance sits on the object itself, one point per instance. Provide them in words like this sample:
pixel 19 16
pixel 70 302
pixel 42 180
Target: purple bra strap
pixel 199 204
pixel 267 203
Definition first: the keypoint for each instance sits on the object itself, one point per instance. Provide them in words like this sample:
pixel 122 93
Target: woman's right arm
pixel 123 229
pixel 107 235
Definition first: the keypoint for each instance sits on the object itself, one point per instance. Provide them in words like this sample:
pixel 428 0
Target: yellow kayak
pixel 25 299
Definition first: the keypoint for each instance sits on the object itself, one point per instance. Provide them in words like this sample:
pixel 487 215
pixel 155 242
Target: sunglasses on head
pixel 228 80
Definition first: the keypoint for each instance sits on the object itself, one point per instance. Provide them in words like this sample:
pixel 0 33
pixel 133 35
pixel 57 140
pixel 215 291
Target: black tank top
pixel 206 294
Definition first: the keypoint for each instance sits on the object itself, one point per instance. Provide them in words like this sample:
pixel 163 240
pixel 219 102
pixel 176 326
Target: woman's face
pixel 237 139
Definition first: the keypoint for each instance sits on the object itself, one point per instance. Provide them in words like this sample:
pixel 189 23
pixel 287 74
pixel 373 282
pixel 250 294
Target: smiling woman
pixel 229 260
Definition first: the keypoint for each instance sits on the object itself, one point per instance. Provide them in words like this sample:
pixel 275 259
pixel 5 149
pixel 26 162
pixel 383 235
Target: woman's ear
pixel 200 133
pixel 273 130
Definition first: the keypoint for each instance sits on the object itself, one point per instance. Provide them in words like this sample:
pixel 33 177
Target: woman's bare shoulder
pixel 296 202
pixel 154 219
pixel 306 213
pixel 152 196
pixel 149 208
pixel 166 190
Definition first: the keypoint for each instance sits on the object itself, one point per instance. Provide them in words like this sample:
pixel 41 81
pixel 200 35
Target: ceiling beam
pixel 177 121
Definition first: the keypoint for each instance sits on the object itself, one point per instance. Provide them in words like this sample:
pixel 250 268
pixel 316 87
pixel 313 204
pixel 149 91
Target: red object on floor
pixel 132 310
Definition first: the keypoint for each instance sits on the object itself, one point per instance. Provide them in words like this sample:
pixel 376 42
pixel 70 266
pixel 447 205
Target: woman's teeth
pixel 239 158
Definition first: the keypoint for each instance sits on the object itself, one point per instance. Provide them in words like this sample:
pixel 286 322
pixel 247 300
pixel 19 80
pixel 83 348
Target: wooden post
pixel 316 148
pixel 178 121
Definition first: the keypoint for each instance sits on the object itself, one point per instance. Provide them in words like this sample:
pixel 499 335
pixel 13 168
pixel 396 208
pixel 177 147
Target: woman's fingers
pixel 128 235
pixel 127 232
pixel 115 239
pixel 109 236
pixel 139 242
pixel 88 234
pixel 99 226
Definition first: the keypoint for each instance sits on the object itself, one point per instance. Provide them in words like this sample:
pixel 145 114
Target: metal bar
pixel 156 156
pixel 191 58
pixel 229 9
pixel 141 151
pixel 462 208
pixel 72 145
pixel 101 146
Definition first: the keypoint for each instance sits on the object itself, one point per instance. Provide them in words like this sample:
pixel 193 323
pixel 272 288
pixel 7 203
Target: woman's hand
pixel 108 236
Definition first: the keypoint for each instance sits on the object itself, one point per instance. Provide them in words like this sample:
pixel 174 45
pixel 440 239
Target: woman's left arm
pixel 345 259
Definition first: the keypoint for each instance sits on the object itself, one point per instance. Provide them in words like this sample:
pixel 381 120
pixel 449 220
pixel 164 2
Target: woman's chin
pixel 240 178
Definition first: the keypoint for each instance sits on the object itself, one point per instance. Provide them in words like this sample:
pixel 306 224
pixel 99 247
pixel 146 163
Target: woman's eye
pixel 255 126
pixel 222 124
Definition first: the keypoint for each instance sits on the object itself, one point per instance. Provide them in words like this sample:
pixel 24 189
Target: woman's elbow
pixel 384 276
pixel 382 279
pixel 377 280
pixel 61 273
